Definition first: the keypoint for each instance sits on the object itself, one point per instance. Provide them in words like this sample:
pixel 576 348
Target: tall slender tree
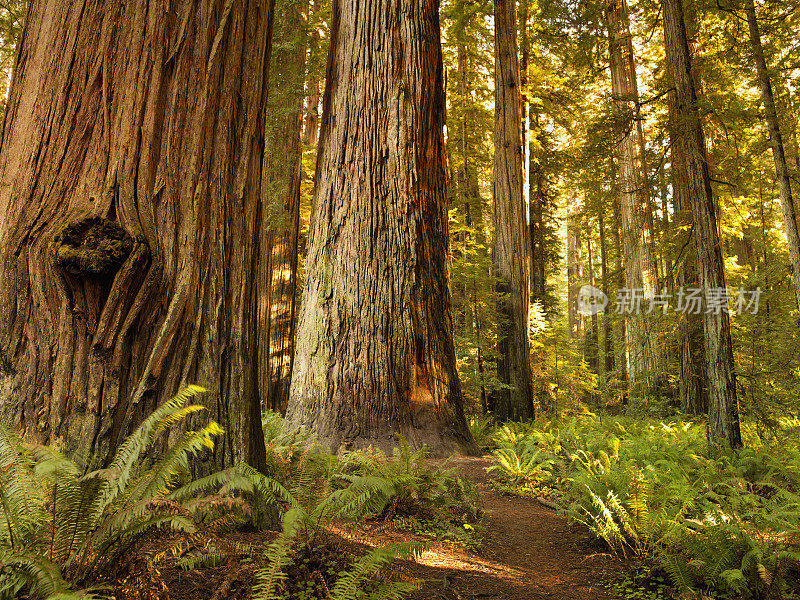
pixel 776 141
pixel 375 354
pixel 131 161
pixel 512 237
pixel 723 410
pixel 637 229
pixel 277 273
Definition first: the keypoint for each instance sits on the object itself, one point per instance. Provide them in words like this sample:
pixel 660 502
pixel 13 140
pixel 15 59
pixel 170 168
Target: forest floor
pixel 528 552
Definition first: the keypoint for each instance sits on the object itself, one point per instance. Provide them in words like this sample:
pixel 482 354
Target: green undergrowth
pixel 725 526
pixel 66 533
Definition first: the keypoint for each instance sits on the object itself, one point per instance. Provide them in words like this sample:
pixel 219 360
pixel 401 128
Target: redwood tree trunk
pixel 693 395
pixel 637 221
pixel 375 354
pixel 776 141
pixel 277 275
pixel 512 237
pixel 723 411
pixel 131 163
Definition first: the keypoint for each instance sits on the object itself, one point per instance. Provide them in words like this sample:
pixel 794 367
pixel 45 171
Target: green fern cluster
pixel 315 501
pixel 62 530
pixel 725 525
pixel 433 496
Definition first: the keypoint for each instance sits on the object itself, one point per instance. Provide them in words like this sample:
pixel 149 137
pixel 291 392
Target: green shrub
pixel 61 529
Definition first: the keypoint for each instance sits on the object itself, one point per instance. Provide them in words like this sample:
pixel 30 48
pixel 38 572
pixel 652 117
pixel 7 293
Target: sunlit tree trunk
pixel 277 274
pixel 776 141
pixel 512 238
pixel 637 221
pixel 131 170
pixel 723 410
pixel 375 354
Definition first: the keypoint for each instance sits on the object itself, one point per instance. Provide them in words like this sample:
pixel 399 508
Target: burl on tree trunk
pixel 375 354
pixel 130 203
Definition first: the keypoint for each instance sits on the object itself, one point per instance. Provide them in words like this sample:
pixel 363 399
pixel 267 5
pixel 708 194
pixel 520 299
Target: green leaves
pixel 59 527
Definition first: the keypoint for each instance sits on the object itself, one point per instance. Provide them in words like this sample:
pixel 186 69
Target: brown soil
pixel 529 552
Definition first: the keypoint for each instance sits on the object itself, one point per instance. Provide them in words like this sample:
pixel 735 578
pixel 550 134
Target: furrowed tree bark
pixel 375 354
pixel 130 187
pixel 512 238
pixel 637 222
pixel 277 276
pixel 723 411
pixel 692 392
pixel 776 141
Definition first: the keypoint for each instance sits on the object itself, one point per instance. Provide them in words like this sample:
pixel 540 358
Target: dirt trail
pixel 529 553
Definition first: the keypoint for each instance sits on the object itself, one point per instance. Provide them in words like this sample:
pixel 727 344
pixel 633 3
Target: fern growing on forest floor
pixel 61 529
pixel 315 505
pixel 728 526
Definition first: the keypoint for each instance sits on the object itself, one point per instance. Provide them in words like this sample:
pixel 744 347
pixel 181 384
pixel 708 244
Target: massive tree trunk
pixel 637 221
pixel 375 354
pixel 131 167
pixel 693 394
pixel 776 141
pixel 723 411
pixel 277 275
pixel 512 237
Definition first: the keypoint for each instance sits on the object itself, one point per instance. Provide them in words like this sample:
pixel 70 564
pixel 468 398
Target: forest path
pixel 529 552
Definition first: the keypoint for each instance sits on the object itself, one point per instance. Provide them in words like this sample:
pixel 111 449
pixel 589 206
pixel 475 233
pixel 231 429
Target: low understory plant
pixel 431 498
pixel 723 526
pixel 65 534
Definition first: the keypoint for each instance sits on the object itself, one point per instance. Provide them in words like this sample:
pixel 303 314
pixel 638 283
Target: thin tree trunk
pixel 131 162
pixel 593 338
pixel 637 230
pixel 375 354
pixel 283 169
pixel 573 283
pixel 512 240
pixel 624 362
pixel 776 141
pixel 608 326
pixel 723 413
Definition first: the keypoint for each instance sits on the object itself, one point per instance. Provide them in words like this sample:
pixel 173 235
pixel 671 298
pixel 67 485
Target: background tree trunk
pixel 637 222
pixel 723 412
pixel 776 141
pixel 375 353
pixel 131 167
pixel 277 275
pixel 512 237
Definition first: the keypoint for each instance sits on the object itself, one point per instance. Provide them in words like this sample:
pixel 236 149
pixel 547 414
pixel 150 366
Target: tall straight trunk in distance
pixel 637 218
pixel 131 169
pixel 723 410
pixel 512 238
pixel 592 334
pixel 608 324
pixel 776 141
pixel 374 350
pixel 277 274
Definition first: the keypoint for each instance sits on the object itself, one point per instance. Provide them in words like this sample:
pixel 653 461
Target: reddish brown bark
pixel 375 354
pixel 131 165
